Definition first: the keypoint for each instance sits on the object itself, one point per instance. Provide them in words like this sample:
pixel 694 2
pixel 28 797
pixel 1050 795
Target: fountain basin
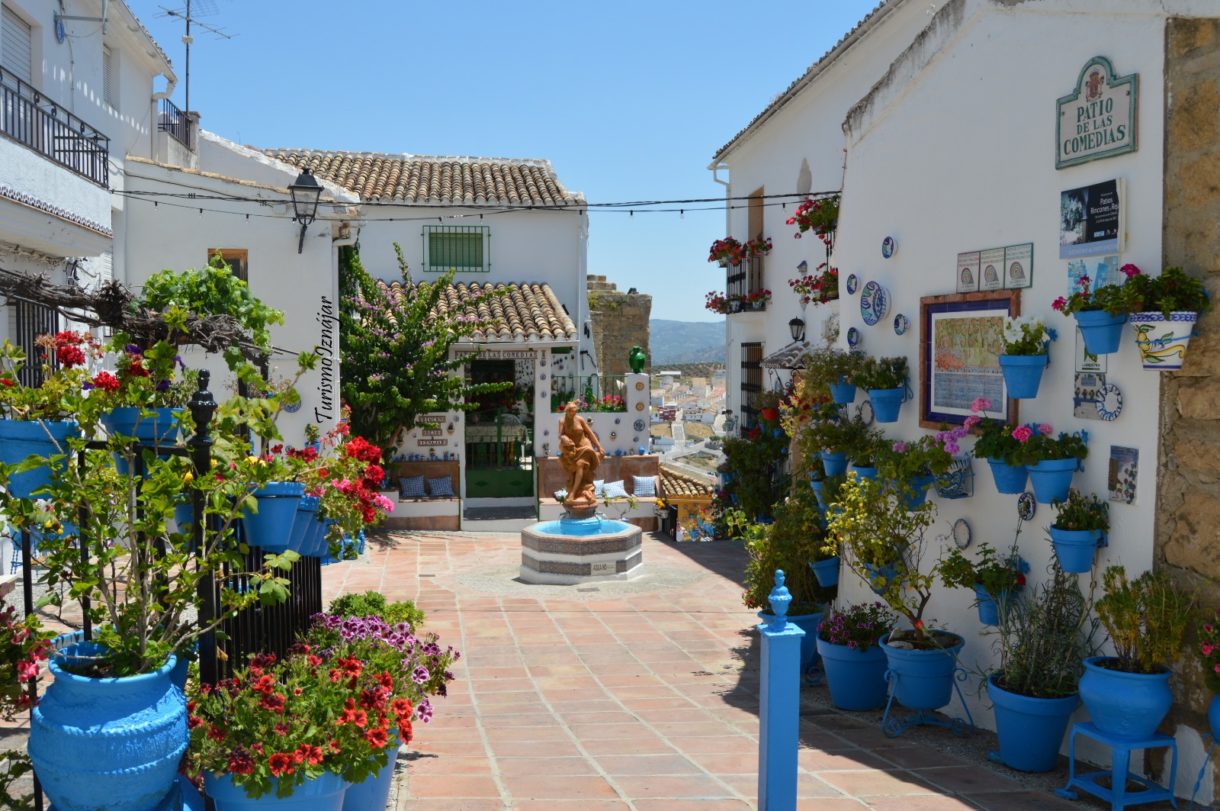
pixel 584 550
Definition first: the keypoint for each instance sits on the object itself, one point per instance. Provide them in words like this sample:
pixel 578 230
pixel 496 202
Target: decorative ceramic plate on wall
pixel 853 284
pixel 853 337
pixel 888 246
pixel 1109 402
pixel 901 324
pixel 874 302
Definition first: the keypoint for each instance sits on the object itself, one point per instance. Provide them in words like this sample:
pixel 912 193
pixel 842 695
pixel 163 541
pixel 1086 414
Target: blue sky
pixel 628 100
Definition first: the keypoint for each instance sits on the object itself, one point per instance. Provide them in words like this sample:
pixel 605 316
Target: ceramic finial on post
pixel 780 598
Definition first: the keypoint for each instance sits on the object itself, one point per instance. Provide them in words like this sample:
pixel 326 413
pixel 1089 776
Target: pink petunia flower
pixel 900 447
pixel 1045 429
pixel 980 404
pixel 1129 270
pixel 971 421
pixel 1022 433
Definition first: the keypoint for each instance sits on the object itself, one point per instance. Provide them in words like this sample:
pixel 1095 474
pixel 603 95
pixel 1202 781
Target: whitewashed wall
pixel 957 153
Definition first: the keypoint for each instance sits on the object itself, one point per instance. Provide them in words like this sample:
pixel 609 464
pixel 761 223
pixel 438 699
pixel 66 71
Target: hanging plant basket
pixel 1162 341
pixel 886 403
pixel 1075 547
pixel 1052 478
pixel 1023 374
pixel 1009 479
pixel 1102 331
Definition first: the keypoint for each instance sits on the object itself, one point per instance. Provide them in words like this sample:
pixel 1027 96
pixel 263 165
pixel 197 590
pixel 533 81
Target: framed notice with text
pixel 961 337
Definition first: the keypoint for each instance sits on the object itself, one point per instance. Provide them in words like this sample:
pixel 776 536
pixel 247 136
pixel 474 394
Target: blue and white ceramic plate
pixel 888 246
pixel 853 284
pixel 1109 402
pixel 901 324
pixel 874 302
pixel 853 337
pixel 1027 505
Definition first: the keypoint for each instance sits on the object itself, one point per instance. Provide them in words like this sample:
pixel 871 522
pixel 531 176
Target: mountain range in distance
pixel 674 342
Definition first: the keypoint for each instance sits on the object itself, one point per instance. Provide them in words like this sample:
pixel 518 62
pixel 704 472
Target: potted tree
pixel 1051 460
pixel 1128 694
pixel 1080 524
pixel 993 578
pixel 1026 354
pixel 882 543
pixel 1042 640
pixel 849 644
pixel 998 447
pixel 886 382
pixel 1164 310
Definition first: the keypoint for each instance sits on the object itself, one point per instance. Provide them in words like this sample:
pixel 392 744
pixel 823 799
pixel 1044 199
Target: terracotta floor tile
pixel 448 786
pixel 686 787
pixel 526 766
pixel 544 786
pixel 868 783
pixel 621 765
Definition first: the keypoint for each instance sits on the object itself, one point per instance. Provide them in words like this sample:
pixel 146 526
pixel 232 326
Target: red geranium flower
pixel 280 764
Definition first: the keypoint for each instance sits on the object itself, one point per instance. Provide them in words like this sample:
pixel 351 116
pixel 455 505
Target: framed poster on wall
pixel 1091 220
pixel 961 337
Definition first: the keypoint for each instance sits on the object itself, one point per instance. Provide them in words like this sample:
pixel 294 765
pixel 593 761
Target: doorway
pixel 499 432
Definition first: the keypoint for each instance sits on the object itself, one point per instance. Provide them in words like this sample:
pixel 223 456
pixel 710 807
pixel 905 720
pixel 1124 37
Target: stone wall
pixel 1188 502
pixel 620 321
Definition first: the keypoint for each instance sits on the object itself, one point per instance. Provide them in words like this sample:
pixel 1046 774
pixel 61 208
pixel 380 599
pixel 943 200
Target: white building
pixel 957 146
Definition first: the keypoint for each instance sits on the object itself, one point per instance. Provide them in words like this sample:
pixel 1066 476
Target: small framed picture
pixel 968 272
pixel 1019 266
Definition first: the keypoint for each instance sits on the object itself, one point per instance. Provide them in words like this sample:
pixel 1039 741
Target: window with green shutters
pixel 464 248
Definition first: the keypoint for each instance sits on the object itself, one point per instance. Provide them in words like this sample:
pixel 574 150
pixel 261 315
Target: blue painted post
pixel 779 705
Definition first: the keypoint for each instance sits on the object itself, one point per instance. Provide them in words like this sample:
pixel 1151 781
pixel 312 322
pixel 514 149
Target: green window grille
pixel 463 248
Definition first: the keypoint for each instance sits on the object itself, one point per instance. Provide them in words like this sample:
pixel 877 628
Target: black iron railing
pixel 30 118
pixel 175 122
pixel 742 280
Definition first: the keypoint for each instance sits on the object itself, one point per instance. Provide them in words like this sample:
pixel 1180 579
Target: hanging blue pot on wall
pixel 1052 479
pixel 989 612
pixel 843 393
pixel 1023 374
pixel 834 463
pixel 1074 548
pixel 886 403
pixel 20 439
pixel 158 428
pixel 302 525
pixel 826 571
pixel 856 679
pixel 915 491
pixel 1101 331
pixel 1009 479
pixel 1030 729
pixel 864 471
pixel 107 744
pixel 270 529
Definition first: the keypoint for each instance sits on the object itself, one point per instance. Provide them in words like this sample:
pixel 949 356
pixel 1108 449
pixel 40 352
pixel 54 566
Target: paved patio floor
pixel 636 695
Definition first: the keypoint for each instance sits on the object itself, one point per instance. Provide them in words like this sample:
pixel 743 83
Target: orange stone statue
pixel 580 453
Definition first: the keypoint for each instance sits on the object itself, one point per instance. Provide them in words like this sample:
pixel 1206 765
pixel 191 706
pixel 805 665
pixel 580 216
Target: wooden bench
pixel 436 513
pixel 614 468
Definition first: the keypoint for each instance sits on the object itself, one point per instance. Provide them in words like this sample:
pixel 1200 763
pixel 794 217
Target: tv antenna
pixel 204 8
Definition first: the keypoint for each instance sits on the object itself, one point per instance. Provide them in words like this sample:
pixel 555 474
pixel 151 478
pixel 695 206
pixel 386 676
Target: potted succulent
pixel 1164 310
pixel 882 543
pixel 1127 694
pixel 886 382
pixel 820 215
pixel 1100 313
pixel 817 288
pixel 1026 354
pixel 1051 460
pixel 790 543
pixel 993 578
pixel 1042 640
pixel 998 447
pixel 849 644
pixel 833 371
pixel 1209 657
pixel 1078 530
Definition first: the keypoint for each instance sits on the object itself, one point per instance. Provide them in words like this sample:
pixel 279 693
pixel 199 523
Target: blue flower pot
pixel 1023 374
pixel 856 679
pixel 819 492
pixel 1052 479
pixel 922 679
pixel 1213 717
pixel 835 464
pixel 989 612
pixel 374 791
pixel 1030 729
pixel 1125 705
pixel 324 793
pixel 1102 332
pixel 915 492
pixel 318 544
pixel 843 393
pixel 886 403
pixel 108 744
pixel 300 539
pixel 20 439
pixel 159 428
pixel 880 573
pixel 864 471
pixel 826 571
pixel 270 529
pixel 1009 479
pixel 1075 547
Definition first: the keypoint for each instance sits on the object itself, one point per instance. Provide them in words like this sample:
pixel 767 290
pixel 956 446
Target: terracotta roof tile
pixel 674 483
pixel 528 312
pixel 437 180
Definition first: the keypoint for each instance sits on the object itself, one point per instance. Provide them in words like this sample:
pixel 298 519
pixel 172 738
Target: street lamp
pixel 797 327
pixel 305 192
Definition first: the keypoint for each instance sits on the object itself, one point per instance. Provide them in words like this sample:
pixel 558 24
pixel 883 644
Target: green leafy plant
pixel 832 429
pixel 998 575
pixel 758 480
pixel 374 604
pixel 396 346
pixel 930 455
pixel 65 362
pixel 819 215
pixel 1209 652
pixel 1171 291
pixel 826 365
pixel 994 436
pixel 1043 637
pixel 1081 512
pixel 1111 298
pixel 881 541
pixel 859 626
pixel 790 543
pixel 1037 443
pixel 1027 336
pixel 1146 619
pixel 882 373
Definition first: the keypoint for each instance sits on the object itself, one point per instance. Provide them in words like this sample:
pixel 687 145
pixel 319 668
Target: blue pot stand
pixel 1117 795
pixel 892 726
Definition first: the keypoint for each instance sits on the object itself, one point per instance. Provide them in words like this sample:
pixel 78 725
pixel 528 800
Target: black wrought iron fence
pixel 32 119
pixel 176 123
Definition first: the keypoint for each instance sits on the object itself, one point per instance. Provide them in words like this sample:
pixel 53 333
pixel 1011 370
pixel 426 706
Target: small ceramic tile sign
pixel 1124 470
pixel 1088 387
pixel 992 263
pixel 968 272
pixel 1019 266
pixel 1098 118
